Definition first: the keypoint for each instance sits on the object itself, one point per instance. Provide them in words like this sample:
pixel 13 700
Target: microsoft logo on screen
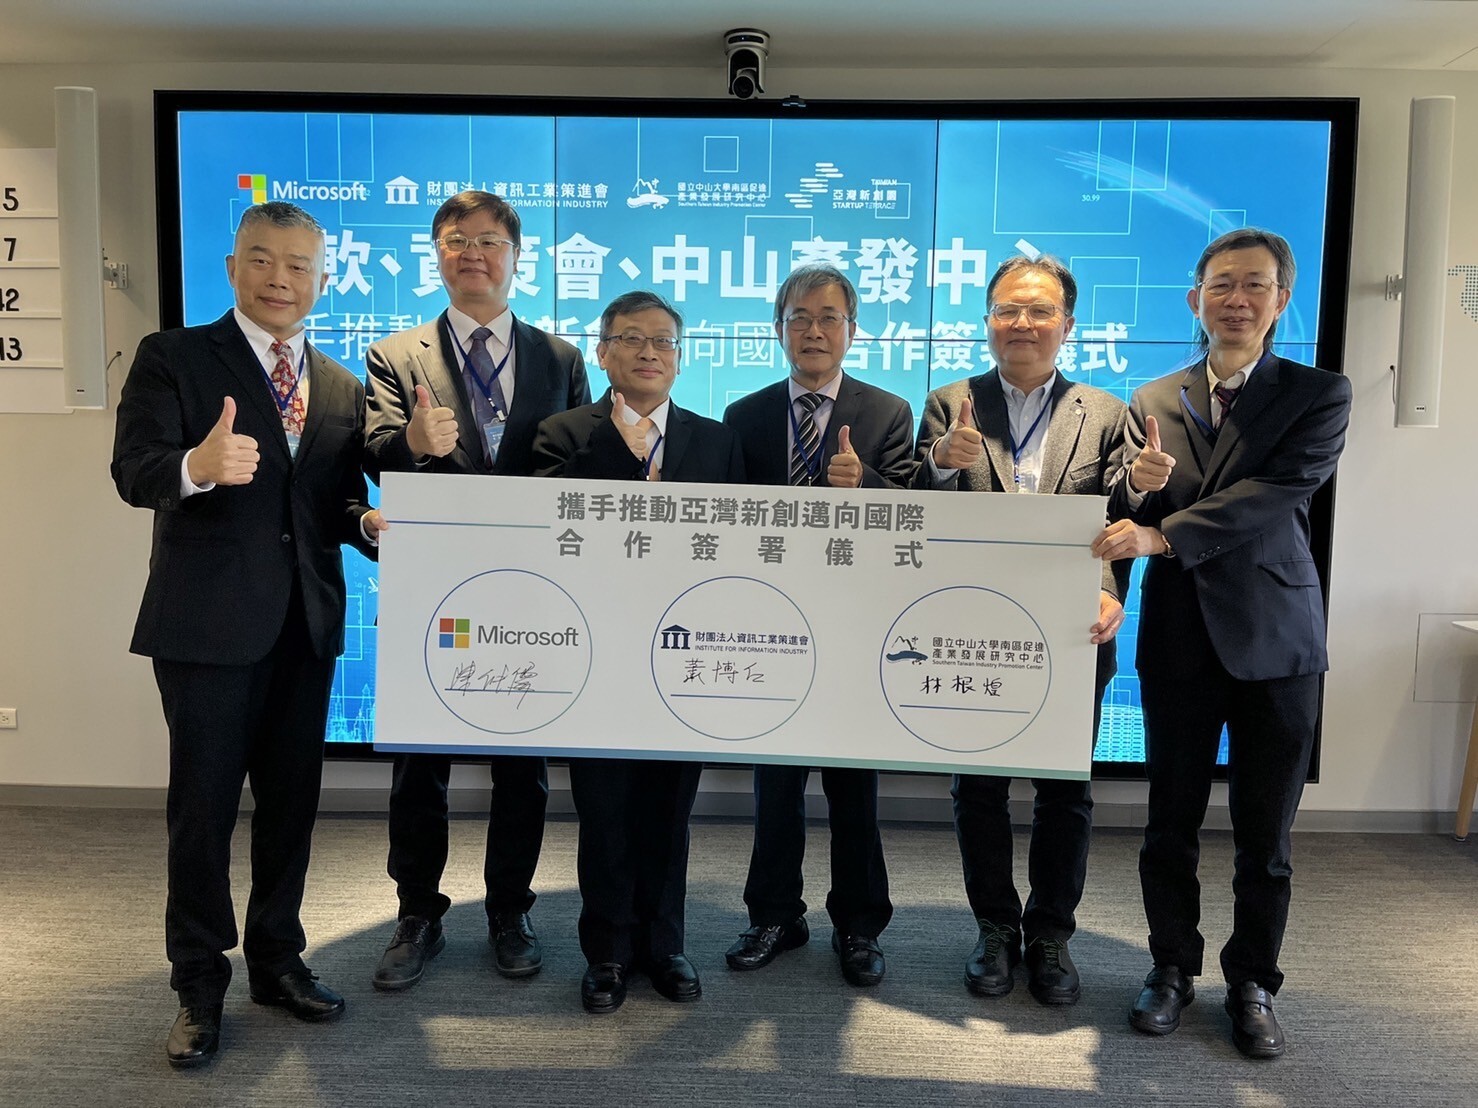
pixel 253 187
pixel 456 634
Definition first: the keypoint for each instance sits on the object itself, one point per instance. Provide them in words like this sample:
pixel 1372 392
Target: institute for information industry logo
pixel 253 187
pixel 456 634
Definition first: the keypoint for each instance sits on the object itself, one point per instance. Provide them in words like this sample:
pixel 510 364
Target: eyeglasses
pixel 635 340
pixel 1038 312
pixel 800 323
pixel 1254 287
pixel 456 242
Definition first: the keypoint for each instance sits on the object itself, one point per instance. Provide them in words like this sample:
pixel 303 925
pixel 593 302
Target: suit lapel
pixel 320 399
pixel 989 397
pixel 1256 395
pixel 1195 394
pixel 439 371
pixel 844 413
pixel 529 356
pixel 771 433
pixel 237 356
pixel 675 442
pixel 1064 429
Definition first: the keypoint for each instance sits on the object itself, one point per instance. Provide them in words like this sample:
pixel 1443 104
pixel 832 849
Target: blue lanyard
pixel 1185 400
pixel 646 466
pixel 813 462
pixel 487 388
pixel 285 402
pixel 1017 451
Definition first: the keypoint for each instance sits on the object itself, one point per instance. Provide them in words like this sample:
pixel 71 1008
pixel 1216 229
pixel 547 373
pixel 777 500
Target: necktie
pixel 1227 397
pixel 481 363
pixel 806 453
pixel 289 396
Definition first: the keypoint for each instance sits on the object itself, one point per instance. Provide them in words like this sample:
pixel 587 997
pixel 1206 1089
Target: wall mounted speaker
pixel 80 236
pixel 1424 277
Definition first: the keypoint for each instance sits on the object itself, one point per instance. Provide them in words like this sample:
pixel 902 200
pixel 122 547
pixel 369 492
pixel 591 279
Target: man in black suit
pixel 1224 458
pixel 633 863
pixel 464 394
pixel 1022 427
pixel 819 426
pixel 246 443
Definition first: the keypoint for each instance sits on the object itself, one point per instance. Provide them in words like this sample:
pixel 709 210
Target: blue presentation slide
pixel 713 213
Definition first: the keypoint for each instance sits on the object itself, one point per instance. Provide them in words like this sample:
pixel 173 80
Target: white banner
pixel 738 623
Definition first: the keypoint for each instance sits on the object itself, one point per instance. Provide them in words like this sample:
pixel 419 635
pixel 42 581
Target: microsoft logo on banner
pixel 456 634
pixel 253 187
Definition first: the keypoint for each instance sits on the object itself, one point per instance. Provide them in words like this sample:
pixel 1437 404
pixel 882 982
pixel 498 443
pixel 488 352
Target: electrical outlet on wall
pixel 7 719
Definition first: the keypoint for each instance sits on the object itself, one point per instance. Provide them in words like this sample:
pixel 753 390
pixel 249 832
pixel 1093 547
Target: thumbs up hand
pixel 1151 469
pixel 845 470
pixel 961 446
pixel 431 431
pixel 224 457
pixel 633 434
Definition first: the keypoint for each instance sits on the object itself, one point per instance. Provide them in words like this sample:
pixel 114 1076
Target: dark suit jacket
pixel 584 442
pixel 1236 512
pixel 882 433
pixel 1083 454
pixel 549 377
pixel 221 571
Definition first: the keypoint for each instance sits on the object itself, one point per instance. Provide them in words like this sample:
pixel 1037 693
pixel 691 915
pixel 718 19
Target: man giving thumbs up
pixel 245 442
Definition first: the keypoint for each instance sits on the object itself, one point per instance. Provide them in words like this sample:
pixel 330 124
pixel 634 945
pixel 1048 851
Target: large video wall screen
pixel 918 203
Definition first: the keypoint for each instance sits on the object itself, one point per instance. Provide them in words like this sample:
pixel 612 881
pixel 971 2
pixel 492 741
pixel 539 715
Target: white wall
pixel 73 557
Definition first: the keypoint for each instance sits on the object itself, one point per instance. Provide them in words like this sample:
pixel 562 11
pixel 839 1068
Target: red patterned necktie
pixel 289 396
pixel 1228 397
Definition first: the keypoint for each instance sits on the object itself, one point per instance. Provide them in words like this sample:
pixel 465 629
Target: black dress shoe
pixel 195 1036
pixel 861 958
pixel 1255 1029
pixel 759 946
pixel 515 946
pixel 417 940
pixel 674 977
pixel 300 992
pixel 1165 995
pixel 603 988
pixel 1051 976
pixel 996 954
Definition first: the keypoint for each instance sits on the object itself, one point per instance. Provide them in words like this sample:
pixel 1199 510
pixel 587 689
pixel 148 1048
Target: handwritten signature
pixel 513 680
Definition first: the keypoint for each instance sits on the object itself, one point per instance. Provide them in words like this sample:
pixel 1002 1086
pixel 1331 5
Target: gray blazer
pixel 1083 453
pixel 549 378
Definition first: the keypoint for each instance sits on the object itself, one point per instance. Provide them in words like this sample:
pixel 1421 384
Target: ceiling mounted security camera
pixel 746 50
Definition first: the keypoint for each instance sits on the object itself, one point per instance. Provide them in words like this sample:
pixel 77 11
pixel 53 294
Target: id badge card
pixel 492 431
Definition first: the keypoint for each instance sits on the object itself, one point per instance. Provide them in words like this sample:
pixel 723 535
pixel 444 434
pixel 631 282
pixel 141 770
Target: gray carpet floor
pixel 1380 1006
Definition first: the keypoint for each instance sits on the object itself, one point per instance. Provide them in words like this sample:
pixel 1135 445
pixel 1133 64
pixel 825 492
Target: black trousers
pixel 858 901
pixel 419 833
pixel 1057 859
pixel 229 724
pixel 633 861
pixel 1270 725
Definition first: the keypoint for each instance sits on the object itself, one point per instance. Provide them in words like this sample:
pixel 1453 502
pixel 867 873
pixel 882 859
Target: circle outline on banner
pixel 426 661
pixel 652 665
pixel 888 700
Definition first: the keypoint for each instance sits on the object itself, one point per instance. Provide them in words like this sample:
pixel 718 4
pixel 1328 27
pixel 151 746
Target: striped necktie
pixel 806 452
pixel 1227 397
